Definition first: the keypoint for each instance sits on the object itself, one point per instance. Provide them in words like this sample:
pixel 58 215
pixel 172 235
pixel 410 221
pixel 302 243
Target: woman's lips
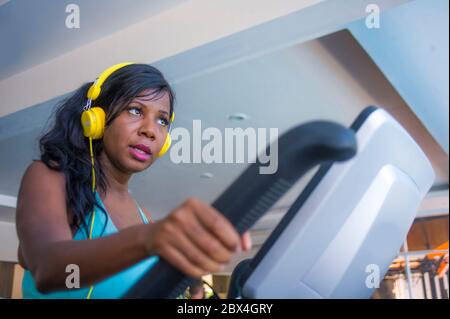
pixel 138 154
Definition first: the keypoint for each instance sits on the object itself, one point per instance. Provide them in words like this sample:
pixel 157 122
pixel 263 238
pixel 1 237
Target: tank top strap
pixel 143 216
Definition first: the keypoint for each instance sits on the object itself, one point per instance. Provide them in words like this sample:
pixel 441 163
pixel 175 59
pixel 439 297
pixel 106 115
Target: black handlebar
pixel 252 194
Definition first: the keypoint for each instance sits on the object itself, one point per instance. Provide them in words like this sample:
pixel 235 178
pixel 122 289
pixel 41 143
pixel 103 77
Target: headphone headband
pixel 95 89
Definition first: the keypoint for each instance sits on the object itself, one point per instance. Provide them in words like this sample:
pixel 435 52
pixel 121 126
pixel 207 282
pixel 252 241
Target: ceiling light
pixel 207 175
pixel 237 117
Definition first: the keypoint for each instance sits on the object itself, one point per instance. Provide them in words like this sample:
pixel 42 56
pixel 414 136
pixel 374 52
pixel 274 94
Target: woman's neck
pixel 117 181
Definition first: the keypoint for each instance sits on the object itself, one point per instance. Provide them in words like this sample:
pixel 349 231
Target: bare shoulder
pixel 39 179
pixel 41 198
pixel 37 170
pixel 39 167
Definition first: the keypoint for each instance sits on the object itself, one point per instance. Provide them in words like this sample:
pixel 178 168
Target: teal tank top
pixel 111 288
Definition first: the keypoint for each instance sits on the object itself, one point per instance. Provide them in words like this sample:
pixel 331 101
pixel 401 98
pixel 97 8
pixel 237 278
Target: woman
pixel 71 221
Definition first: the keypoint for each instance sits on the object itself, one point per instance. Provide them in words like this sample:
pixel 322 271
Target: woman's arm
pixel 46 238
pixel 194 237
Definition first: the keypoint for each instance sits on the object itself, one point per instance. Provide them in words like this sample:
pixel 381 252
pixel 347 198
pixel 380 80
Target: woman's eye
pixel 134 110
pixel 163 121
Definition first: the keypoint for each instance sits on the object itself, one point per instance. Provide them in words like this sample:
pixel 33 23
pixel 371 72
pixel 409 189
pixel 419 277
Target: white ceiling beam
pixel 185 27
pixel 8 201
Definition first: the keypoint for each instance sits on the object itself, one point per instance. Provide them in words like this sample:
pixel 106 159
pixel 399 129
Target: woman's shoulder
pixel 38 168
pixel 38 177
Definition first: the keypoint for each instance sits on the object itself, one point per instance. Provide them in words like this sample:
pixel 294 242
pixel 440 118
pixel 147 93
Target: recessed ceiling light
pixel 237 117
pixel 207 175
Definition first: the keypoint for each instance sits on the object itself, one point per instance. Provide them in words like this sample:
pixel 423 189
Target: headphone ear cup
pixel 93 122
pixel 166 145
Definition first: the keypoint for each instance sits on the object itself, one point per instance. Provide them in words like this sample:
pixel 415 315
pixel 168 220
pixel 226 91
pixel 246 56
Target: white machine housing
pixel 345 234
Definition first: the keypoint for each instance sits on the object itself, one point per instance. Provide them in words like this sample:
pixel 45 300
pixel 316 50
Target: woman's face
pixel 143 124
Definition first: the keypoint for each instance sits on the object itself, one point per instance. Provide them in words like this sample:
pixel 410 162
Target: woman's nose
pixel 148 128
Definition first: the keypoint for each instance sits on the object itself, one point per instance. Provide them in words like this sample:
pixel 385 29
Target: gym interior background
pixel 277 64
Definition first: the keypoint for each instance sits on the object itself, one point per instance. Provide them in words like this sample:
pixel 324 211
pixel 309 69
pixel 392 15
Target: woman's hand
pixel 195 238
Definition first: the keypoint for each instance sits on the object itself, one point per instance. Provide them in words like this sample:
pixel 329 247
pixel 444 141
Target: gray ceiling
pixel 45 21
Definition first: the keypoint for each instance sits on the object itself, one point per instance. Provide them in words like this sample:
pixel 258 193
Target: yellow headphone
pixel 93 119
pixel 93 122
